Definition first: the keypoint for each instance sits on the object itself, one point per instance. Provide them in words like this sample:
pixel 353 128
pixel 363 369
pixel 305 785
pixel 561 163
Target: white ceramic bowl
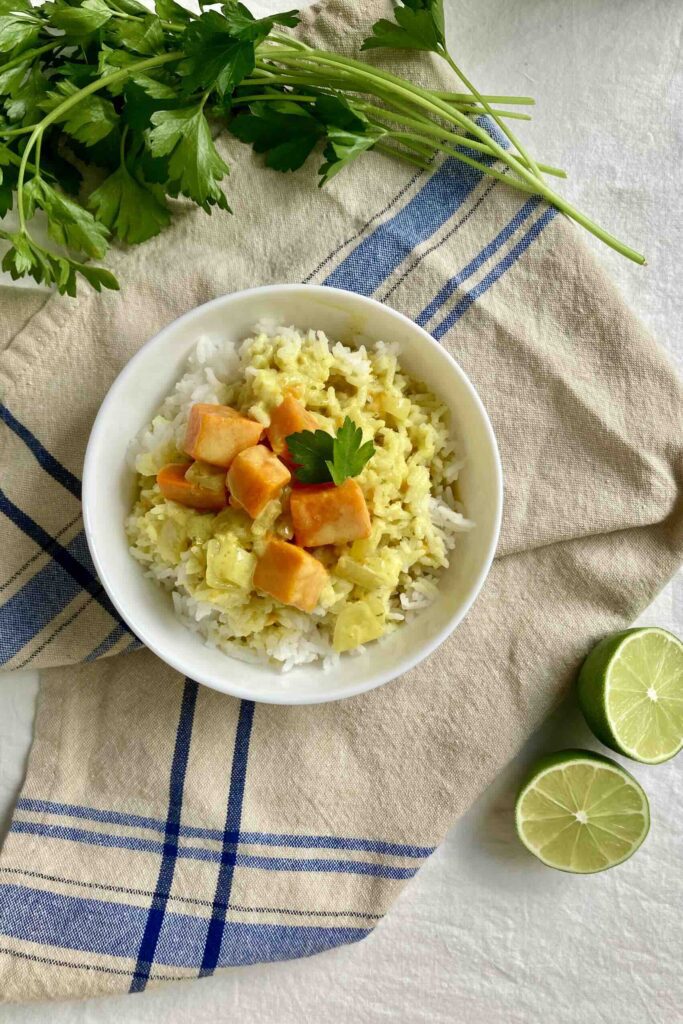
pixel 134 398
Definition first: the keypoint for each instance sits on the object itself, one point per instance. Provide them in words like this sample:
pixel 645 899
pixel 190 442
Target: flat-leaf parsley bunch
pixel 110 110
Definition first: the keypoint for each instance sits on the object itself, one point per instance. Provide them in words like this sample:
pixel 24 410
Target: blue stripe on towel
pixel 231 837
pixel 157 910
pixel 314 864
pixel 381 252
pixel 494 275
pixel 116 929
pixel 47 593
pixel 49 463
pixel 306 842
pixel 451 286
pixel 117 633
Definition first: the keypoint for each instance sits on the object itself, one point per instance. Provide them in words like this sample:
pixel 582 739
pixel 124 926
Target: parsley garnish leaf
pixel 311 451
pixel 349 452
pixel 321 458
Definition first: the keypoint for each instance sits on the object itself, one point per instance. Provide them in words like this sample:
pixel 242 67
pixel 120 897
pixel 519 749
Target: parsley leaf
pixel 144 35
pixel 311 450
pixel 419 25
pixel 84 20
pixel 26 257
pixel 171 11
pixel 132 211
pixel 287 139
pixel 243 25
pixel 144 97
pixel 69 224
pixel 348 135
pixel 88 121
pixel 26 94
pixel 349 453
pixel 321 458
pixel 17 30
pixel 214 55
pixel 195 166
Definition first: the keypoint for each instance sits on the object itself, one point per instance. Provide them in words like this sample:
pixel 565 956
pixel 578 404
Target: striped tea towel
pixel 165 831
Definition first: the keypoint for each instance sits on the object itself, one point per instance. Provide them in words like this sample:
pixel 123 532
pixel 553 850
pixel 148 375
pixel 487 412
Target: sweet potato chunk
pixel 216 433
pixel 290 417
pixel 255 477
pixel 175 486
pixel 329 515
pixel 290 574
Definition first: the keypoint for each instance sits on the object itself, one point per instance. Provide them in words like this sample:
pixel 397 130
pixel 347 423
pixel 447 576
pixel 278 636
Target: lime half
pixel 581 812
pixel 631 692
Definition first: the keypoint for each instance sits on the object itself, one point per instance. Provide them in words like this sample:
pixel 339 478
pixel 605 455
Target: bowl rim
pixel 374 679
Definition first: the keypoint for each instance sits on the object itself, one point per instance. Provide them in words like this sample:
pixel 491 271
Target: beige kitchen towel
pixel 165 831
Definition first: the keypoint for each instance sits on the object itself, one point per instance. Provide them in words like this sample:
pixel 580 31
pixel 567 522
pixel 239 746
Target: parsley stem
pixel 402 155
pixel 30 55
pixel 428 126
pixel 39 146
pixel 468 97
pixel 72 101
pixel 263 97
pixel 122 149
pixel 490 172
pixel 17 131
pixel 529 160
pixel 263 75
pixel 512 115
pixel 426 99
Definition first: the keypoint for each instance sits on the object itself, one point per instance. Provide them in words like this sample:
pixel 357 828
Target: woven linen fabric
pixel 165 831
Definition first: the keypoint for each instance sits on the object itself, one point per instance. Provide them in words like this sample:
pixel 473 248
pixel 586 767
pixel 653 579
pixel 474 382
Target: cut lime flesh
pixel 581 812
pixel 631 693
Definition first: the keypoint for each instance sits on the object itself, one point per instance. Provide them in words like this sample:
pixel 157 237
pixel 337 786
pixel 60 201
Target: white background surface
pixel 485 934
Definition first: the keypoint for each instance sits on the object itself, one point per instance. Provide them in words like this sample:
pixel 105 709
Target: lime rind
pixel 580 812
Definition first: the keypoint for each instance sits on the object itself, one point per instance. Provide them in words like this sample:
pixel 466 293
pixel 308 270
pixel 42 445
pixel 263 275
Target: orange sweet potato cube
pixel 290 574
pixel 175 486
pixel 290 417
pixel 255 477
pixel 329 515
pixel 216 433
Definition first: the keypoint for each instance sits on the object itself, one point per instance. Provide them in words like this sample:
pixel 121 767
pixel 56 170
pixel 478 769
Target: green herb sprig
pixel 324 458
pixel 108 111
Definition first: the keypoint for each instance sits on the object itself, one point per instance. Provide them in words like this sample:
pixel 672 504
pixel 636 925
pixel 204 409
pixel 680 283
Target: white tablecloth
pixel 485 934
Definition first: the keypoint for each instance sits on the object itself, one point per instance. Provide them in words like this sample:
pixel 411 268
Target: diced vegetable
pixel 396 407
pixel 290 574
pixel 233 520
pixel 290 417
pixel 356 625
pixel 175 486
pixel 256 477
pixel 329 515
pixel 217 433
pixel 172 540
pixel 228 563
pixel 360 574
pixel 211 478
